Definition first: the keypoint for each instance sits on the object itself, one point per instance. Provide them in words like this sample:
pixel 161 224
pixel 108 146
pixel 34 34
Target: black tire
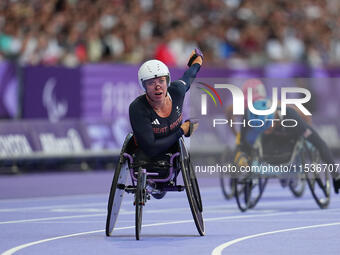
pixel 189 188
pixel 195 186
pixel 298 188
pixel 318 183
pixel 248 191
pixel 262 182
pixel 139 203
pixel 242 190
pixel 226 181
pixel 227 186
pixel 116 195
pixel 117 189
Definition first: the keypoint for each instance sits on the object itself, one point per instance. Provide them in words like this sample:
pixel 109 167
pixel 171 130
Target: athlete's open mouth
pixel 158 93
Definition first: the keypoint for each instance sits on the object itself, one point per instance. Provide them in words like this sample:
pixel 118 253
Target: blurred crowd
pixel 230 32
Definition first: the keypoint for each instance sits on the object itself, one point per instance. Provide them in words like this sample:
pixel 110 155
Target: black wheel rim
pixel 193 202
pixel 195 186
pixel 139 201
pixel 227 186
pixel 116 196
pixel 298 188
pixel 319 183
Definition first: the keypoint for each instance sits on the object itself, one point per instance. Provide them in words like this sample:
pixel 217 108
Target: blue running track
pixel 65 213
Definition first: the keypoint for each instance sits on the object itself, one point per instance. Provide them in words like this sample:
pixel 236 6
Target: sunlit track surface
pixel 74 224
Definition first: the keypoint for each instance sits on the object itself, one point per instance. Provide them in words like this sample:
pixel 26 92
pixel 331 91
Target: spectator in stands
pixel 231 32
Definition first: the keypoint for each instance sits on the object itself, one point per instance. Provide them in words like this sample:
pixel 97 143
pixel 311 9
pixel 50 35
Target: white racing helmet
pixel 152 69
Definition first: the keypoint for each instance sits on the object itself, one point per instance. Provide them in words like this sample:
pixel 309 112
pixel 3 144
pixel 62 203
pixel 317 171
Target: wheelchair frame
pixel 145 185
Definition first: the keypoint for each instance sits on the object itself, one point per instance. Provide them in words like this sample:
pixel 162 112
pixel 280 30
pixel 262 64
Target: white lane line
pixel 104 204
pixel 218 250
pixel 25 209
pixel 52 218
pixel 268 214
pixel 20 209
pixel 122 212
pixel 178 209
pixel 49 198
pixel 20 247
pixel 126 212
pixel 82 196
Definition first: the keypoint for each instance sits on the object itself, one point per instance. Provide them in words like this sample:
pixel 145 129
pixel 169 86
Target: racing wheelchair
pixel 152 179
pixel 295 155
pixel 228 183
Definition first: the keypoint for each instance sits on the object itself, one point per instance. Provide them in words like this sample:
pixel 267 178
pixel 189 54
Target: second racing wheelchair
pixel 249 187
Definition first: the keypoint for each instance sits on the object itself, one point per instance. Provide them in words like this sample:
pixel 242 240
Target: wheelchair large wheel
pixel 226 181
pixel 248 191
pixel 261 184
pixel 116 194
pixel 297 185
pixel 318 181
pixel 242 187
pixel 139 202
pixel 191 188
pixel 227 186
pixel 117 189
pixel 195 187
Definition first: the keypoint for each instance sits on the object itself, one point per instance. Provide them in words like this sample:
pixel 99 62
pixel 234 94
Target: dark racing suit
pixel 153 134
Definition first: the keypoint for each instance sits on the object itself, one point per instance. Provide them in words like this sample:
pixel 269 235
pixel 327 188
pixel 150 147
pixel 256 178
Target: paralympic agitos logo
pixel 238 104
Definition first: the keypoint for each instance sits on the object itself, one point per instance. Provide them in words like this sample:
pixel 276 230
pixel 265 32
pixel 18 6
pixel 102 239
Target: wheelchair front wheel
pixel 139 201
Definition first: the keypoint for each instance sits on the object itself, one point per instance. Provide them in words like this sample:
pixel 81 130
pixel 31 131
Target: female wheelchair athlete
pixel 294 157
pixel 147 179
